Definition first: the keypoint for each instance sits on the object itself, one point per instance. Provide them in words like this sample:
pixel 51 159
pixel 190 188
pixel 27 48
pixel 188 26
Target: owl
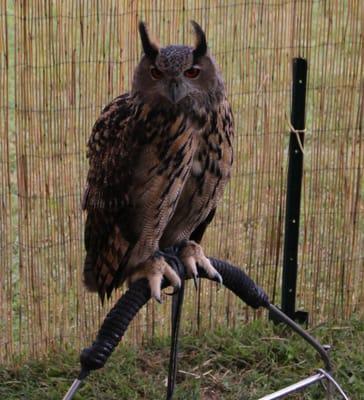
pixel 159 159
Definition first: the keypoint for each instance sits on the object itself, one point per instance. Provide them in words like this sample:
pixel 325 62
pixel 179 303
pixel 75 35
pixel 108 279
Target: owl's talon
pixel 155 269
pixel 191 254
pixel 218 278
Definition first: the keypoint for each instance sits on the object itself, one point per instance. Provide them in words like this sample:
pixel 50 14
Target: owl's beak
pixel 176 91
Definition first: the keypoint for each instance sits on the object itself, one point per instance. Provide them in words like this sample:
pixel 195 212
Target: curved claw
pixel 217 278
pixel 155 269
pixel 193 257
pixel 195 281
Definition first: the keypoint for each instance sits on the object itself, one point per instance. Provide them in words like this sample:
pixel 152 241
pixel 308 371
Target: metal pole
pixel 296 387
pixel 331 380
pixel 294 183
pixel 280 316
pixel 72 390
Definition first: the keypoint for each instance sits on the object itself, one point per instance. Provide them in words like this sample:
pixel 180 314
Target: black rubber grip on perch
pixel 240 284
pixel 120 316
pixel 114 326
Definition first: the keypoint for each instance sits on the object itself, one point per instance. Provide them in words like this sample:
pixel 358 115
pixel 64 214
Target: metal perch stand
pixel 118 319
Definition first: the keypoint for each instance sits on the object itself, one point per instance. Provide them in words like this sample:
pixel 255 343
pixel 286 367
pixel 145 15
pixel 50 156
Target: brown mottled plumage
pixel 160 158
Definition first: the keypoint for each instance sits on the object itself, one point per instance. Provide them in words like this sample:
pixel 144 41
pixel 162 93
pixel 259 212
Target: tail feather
pixel 106 250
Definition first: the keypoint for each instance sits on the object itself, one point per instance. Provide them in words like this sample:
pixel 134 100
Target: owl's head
pixel 176 74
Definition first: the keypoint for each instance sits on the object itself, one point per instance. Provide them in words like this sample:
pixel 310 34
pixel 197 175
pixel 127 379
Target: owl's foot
pixel 154 270
pixel 192 255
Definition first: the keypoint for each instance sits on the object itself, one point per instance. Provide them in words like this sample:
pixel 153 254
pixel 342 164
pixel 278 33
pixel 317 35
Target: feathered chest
pixel 209 172
pixel 202 138
pixel 134 146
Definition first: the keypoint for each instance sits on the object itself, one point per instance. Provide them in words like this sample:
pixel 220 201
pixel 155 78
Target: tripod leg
pixel 177 303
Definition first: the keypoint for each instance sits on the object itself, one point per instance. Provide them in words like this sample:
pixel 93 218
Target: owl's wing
pixel 139 162
pixel 105 197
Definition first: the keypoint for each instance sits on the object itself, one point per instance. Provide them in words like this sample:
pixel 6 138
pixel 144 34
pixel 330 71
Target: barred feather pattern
pixel 155 176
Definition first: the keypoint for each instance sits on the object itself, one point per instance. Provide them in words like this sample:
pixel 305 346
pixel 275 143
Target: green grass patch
pixel 243 363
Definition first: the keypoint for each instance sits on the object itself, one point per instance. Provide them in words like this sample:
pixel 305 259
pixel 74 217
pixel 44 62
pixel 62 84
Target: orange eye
pixel 192 72
pixel 156 73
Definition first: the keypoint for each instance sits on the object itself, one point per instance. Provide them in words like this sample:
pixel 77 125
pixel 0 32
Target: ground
pixel 244 363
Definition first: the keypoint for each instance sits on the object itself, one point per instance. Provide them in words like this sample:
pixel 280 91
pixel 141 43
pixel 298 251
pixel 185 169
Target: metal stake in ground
pixel 294 184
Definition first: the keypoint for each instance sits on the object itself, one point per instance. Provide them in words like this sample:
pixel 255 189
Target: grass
pixel 245 363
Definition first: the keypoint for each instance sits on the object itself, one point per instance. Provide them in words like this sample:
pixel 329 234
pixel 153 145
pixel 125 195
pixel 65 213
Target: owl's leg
pixel 154 269
pixel 192 255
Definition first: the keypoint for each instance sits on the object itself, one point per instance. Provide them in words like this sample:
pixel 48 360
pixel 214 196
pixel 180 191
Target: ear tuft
pixel 150 49
pixel 201 44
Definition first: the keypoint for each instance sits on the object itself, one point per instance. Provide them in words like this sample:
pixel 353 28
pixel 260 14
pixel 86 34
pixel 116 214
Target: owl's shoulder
pixel 112 124
pixel 108 153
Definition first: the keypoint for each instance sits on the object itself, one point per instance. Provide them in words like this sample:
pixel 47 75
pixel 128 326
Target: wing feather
pixel 139 162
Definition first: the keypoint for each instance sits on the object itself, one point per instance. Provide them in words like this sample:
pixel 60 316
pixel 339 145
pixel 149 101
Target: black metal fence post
pixel 294 184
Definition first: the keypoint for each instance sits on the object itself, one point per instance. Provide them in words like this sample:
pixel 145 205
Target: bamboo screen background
pixel 61 61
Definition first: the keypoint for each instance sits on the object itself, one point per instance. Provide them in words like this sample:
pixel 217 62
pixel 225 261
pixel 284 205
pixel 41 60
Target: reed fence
pixel 61 61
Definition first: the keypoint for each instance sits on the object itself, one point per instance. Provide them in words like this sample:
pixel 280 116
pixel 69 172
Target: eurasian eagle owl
pixel 160 157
